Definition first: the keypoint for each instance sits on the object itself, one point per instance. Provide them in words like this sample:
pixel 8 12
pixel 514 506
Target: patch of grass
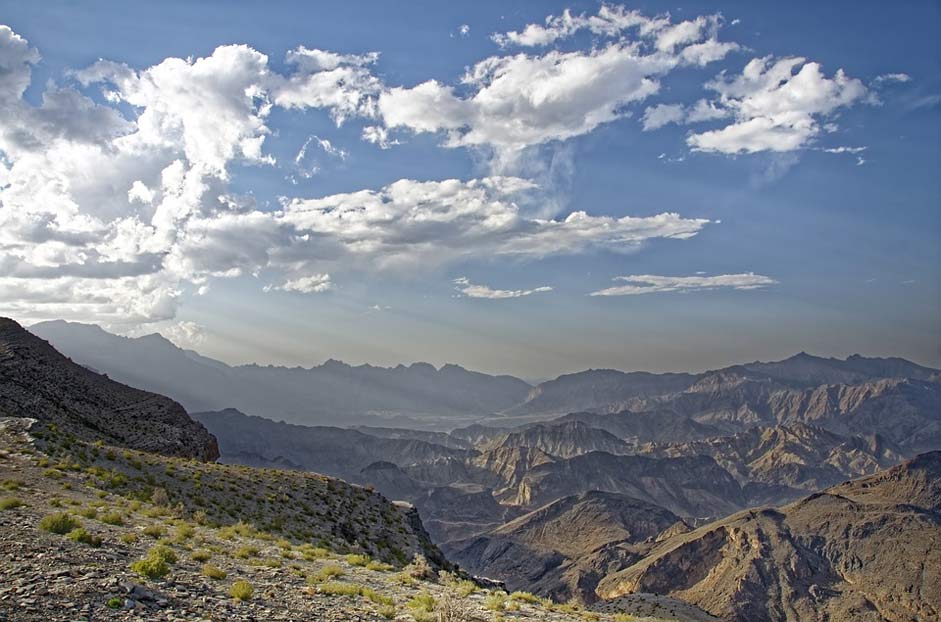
pixel 422 602
pixel 242 590
pixel 201 556
pixel 129 538
pixel 153 531
pixel 465 588
pixel 112 518
pixel 115 603
pixel 338 588
pixel 11 485
pixel 358 560
pixel 9 503
pixel 213 572
pixel 376 597
pixel 327 572
pixel 82 535
pixel 244 552
pixel 60 523
pixel 387 611
pixel 378 566
pixel 313 553
pixel 525 597
pixel 496 601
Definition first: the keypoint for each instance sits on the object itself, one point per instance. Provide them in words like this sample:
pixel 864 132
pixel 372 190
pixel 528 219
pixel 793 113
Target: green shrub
pixel 60 523
pixel 153 531
pixel 387 611
pixel 115 603
pixel 9 503
pixel 129 538
pixel 201 556
pixel 327 572
pixel 151 568
pixel 378 566
pixel 313 553
pixel 241 590
pixel 213 572
pixel 81 535
pixel 164 552
pixel 526 597
pixel 465 588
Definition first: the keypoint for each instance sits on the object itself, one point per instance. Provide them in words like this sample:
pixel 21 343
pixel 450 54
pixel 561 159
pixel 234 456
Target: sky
pixel 526 188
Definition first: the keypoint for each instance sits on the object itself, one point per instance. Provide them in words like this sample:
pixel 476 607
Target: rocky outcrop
pixel 37 381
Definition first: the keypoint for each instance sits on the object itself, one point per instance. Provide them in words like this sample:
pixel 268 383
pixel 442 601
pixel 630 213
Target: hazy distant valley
pixel 601 484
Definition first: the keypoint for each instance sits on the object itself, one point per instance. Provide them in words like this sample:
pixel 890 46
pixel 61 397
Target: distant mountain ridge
pixel 332 393
pixel 846 396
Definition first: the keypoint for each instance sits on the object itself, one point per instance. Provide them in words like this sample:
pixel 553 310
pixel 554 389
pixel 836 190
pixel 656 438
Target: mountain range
pixel 782 491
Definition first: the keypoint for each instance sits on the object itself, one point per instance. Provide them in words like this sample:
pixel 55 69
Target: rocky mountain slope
pixel 37 381
pixel 798 456
pixel 861 551
pixel 332 393
pixel 566 547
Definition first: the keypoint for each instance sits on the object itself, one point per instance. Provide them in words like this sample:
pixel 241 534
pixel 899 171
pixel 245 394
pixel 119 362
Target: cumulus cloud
pixel 776 106
pixel 652 284
pixel 508 103
pixel 471 290
pixel 657 116
pixel 113 210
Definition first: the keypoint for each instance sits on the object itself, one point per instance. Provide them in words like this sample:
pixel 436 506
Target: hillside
pixel 37 381
pixel 865 550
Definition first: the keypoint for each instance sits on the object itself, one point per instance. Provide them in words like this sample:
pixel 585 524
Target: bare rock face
pixel 863 551
pixel 36 381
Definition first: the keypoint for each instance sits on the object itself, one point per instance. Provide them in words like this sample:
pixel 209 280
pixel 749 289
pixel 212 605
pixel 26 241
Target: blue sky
pixel 820 187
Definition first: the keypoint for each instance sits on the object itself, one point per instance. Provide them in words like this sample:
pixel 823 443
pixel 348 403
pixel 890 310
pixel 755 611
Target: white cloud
pixel 774 108
pixel 471 290
pixel 421 224
pixel 509 103
pixel 464 30
pixel 656 117
pixel 312 284
pixel 845 150
pixel 652 284
pixel 892 77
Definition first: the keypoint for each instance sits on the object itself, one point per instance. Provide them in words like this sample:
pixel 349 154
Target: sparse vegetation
pixel 83 536
pixel 213 572
pixel 59 523
pixel 242 590
pixel 10 503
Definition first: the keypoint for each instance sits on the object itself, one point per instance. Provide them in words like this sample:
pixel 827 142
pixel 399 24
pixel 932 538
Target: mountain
pixel 645 427
pixel 339 452
pixel 689 487
pixel 563 440
pixel 599 388
pixel 806 369
pixel 334 392
pixel 38 382
pixel 867 550
pixel 566 547
pixel 798 456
